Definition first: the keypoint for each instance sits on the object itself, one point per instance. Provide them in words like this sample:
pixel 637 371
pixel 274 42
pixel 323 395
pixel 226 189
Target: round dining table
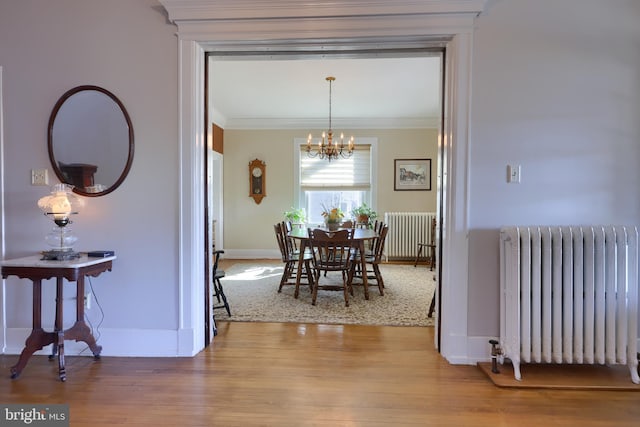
pixel 360 235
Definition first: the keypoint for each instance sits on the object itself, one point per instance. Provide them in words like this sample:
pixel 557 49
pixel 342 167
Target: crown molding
pixel 344 123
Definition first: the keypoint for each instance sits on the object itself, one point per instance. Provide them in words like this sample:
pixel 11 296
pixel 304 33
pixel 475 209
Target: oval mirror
pixel 90 140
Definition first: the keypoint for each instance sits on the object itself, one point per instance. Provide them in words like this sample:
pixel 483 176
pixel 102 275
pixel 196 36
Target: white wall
pixel 556 89
pixel 129 48
pixel 249 226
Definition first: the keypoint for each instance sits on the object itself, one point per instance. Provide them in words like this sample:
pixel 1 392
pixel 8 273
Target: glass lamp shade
pixel 61 203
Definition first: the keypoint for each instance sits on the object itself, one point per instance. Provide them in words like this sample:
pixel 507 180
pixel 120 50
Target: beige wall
pixel 248 226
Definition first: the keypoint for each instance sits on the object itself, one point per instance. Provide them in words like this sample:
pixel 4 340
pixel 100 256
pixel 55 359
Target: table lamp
pixel 59 206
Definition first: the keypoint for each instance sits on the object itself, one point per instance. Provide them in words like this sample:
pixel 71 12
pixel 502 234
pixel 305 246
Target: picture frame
pixel 412 175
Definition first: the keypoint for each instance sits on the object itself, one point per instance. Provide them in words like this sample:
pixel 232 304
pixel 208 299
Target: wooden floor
pixel 266 374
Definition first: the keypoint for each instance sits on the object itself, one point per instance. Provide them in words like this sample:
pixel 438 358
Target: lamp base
pixel 59 255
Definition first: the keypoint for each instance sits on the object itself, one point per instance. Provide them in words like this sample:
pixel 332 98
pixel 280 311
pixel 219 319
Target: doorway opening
pixel 246 70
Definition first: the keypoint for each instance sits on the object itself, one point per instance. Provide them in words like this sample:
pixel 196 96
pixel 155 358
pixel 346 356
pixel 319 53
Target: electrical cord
pixel 95 332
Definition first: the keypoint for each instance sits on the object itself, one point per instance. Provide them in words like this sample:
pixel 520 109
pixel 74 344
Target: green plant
pixel 296 215
pixel 363 211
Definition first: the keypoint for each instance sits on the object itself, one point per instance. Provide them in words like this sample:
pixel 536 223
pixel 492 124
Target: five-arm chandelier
pixel 328 148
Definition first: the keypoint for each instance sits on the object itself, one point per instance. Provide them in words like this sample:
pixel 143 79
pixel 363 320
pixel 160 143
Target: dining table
pixel 360 236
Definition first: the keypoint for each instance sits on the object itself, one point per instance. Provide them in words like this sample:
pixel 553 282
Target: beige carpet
pixel 251 290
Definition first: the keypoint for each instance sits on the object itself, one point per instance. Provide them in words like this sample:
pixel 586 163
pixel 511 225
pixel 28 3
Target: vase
pixel 332 226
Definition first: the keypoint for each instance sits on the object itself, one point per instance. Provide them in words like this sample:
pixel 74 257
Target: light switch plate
pixel 39 177
pixel 513 174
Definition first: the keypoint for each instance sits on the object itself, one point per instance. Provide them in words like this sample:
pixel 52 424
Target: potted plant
pixel 364 214
pixel 296 216
pixel 332 217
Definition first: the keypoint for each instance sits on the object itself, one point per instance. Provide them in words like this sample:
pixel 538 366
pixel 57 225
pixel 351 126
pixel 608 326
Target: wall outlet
pixel 87 301
pixel 39 177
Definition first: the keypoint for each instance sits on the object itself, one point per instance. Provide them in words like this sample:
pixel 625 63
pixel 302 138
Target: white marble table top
pixel 37 261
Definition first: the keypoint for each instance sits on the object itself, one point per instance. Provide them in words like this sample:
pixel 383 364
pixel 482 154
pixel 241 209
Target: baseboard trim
pixel 252 254
pixel 114 342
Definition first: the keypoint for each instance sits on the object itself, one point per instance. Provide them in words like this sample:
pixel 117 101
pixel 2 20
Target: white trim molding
pixel 320 20
pixel 115 342
pixel 3 300
pixel 218 10
pixel 191 213
pixel 260 27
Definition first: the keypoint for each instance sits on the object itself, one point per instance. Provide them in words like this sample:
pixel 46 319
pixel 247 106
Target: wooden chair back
pixel 281 237
pixel 292 246
pixel 331 249
pixel 377 227
pixel 378 244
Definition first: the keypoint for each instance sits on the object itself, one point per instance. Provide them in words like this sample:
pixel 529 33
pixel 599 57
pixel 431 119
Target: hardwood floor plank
pixel 264 374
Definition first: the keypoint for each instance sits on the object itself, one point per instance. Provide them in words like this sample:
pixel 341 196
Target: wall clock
pixel 257 180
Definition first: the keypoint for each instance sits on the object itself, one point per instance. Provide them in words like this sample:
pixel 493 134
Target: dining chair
pixel 331 252
pixel 347 224
pixel 372 262
pixel 431 247
pixel 370 246
pixel 291 258
pixel 218 290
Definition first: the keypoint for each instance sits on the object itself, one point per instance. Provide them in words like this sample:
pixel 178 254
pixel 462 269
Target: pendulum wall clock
pixel 257 180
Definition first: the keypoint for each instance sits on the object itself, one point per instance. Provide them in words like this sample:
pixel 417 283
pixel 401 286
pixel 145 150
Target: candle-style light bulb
pixel 60 206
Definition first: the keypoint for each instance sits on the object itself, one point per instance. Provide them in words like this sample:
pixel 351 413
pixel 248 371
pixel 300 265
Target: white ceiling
pixel 293 93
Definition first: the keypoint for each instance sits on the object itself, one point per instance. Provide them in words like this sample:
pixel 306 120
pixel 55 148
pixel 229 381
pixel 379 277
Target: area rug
pixel 252 292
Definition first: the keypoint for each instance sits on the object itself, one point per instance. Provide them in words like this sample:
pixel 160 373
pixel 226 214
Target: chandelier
pixel 328 148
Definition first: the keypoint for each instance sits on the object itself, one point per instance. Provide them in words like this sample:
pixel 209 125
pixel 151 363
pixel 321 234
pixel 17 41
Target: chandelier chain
pixel 330 82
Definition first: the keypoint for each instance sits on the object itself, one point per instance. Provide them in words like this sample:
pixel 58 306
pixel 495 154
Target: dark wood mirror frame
pixel 78 173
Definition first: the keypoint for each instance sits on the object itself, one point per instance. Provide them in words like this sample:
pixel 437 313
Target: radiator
pixel 569 295
pixel 406 230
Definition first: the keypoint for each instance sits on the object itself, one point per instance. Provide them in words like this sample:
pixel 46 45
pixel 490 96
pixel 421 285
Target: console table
pixel 75 270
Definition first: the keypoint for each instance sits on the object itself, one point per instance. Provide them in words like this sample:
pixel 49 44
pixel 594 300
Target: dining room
pixel 252 126
pixel 291 177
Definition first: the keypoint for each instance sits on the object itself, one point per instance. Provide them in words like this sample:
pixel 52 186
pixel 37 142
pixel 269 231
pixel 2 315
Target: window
pixel 343 183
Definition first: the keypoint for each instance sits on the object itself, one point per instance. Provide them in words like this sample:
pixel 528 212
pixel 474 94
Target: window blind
pixel 353 173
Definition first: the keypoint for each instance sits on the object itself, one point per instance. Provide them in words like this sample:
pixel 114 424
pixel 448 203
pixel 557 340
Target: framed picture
pixel 412 175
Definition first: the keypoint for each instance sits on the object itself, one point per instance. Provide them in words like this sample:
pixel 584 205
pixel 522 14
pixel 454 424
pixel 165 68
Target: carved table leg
pixel 62 372
pixel 58 346
pixel 38 338
pixel 363 265
pixel 303 246
pixel 80 331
